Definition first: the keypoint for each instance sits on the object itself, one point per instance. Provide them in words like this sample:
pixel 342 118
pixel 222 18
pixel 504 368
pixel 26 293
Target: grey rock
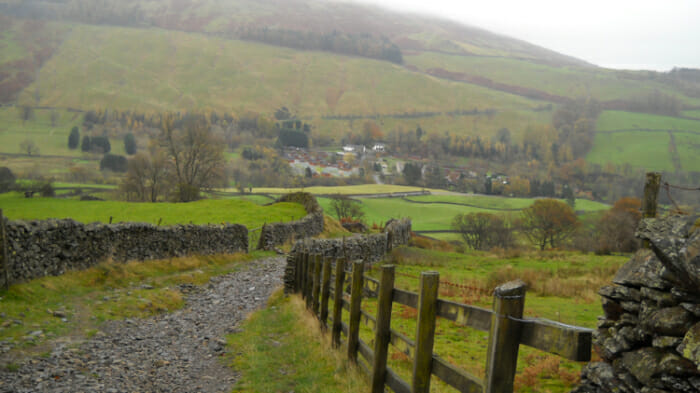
pixel 672 321
pixel 644 269
pixel 666 342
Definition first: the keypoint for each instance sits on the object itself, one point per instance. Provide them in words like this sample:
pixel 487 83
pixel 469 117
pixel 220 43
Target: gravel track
pixel 175 352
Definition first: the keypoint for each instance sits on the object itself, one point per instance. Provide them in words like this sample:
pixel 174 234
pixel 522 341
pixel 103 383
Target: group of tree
pixel 484 231
pixel 187 158
pixel 551 223
pixel 96 144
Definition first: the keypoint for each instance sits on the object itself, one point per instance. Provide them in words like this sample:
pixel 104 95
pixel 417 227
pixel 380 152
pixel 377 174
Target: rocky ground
pixel 176 352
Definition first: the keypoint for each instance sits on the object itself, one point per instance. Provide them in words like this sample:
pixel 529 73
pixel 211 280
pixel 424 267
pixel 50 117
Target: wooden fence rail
pixel 316 278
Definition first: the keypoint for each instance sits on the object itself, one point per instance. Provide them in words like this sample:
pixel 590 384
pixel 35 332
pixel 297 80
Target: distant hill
pixel 334 64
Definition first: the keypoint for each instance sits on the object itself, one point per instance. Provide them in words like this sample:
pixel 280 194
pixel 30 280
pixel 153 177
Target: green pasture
pixel 438 216
pixel 694 113
pixel 642 140
pixel 361 189
pixel 619 120
pixel 90 71
pixel 648 150
pixel 558 80
pixel 50 140
pixel 247 213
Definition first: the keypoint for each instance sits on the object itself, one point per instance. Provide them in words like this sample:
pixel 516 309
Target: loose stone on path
pixel 175 352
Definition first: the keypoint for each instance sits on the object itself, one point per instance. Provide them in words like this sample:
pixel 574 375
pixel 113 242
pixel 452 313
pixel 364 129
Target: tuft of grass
pixel 282 349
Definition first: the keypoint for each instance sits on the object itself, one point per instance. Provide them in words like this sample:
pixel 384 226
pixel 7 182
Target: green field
pixel 361 189
pixel 619 120
pixel 693 113
pixel 17 207
pixel 52 141
pixel 558 80
pixel 643 140
pixel 437 216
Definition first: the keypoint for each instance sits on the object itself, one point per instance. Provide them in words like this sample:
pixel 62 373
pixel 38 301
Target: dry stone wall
pixel 278 233
pixel 649 337
pixel 371 248
pixel 53 247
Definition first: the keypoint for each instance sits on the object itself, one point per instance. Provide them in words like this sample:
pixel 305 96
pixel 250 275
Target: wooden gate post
pixel 317 284
pixel 425 331
pixel 651 194
pixel 382 335
pixel 4 255
pixel 325 291
pixel 338 302
pixel 355 303
pixel 504 337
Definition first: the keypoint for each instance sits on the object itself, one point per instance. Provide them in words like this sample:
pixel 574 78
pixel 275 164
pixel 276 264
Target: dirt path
pixel 176 352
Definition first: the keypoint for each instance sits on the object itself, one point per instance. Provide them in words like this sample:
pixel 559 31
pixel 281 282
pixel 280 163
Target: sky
pixel 626 34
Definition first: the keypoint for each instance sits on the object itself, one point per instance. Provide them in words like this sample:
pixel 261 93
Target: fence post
pixel 504 337
pixel 383 333
pixel 325 291
pixel 309 279
pixel 5 258
pixel 297 271
pixel 651 193
pixel 355 302
pixel 304 268
pixel 425 331
pixel 338 302
pixel 317 284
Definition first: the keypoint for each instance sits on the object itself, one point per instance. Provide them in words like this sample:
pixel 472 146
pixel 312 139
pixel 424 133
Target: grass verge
pixel 281 349
pixel 73 305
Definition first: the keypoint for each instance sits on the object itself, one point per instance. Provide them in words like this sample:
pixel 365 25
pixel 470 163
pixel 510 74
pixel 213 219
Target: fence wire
pixel 668 188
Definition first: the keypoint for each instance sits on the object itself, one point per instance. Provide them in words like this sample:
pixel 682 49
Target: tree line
pixel 550 223
pixel 363 45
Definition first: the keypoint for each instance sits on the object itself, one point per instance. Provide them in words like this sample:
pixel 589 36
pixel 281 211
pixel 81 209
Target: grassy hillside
pixel 181 71
pixel 565 81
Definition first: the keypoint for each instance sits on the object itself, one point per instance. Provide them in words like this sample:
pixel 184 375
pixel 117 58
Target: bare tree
pixel 196 153
pixel 347 209
pixel 147 177
pixel 483 231
pixel 29 147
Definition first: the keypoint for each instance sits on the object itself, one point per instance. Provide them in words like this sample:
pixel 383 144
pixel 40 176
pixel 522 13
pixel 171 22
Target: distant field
pixel 438 216
pixel 500 203
pixel 50 140
pixel 207 72
pixel 345 190
pixel 201 212
pixel 694 113
pixel 643 140
pixel 619 120
pixel 563 81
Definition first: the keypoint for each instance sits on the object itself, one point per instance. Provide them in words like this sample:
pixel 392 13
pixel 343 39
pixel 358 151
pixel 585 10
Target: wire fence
pixel 668 187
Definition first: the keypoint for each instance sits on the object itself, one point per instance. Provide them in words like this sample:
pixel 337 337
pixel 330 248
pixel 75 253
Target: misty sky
pixel 632 34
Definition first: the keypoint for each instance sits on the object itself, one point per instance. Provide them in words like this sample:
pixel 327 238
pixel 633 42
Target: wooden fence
pixel 320 280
